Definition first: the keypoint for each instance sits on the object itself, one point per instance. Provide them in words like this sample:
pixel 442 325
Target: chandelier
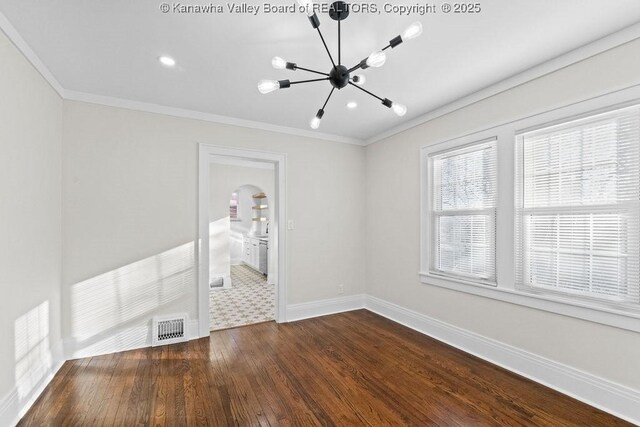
pixel 339 76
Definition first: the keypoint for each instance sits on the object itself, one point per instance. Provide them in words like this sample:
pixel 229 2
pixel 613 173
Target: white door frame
pixel 208 154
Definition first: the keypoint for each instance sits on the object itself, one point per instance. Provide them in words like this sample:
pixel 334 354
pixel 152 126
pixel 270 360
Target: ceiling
pixel 110 48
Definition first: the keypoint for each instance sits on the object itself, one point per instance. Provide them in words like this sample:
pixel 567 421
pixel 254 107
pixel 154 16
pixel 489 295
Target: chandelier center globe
pixel 339 76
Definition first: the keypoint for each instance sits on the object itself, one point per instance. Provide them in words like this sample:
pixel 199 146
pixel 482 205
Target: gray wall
pixel 30 209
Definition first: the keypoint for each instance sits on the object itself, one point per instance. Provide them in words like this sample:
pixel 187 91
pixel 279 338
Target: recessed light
pixel 352 104
pixel 167 61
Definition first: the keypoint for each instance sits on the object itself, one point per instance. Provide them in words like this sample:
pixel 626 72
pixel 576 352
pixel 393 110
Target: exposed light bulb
pixel 360 79
pixel 377 59
pixel 278 63
pixel 167 61
pixel 352 105
pixel 315 122
pixel 266 86
pixel 412 31
pixel 307 5
pixel 399 109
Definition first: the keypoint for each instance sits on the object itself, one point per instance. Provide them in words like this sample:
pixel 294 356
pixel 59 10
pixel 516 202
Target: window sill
pixel 461 279
pixel 551 303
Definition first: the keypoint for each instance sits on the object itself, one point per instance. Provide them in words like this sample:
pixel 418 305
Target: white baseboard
pixel 23 395
pixel 325 307
pixel 194 329
pixel 127 339
pixel 606 395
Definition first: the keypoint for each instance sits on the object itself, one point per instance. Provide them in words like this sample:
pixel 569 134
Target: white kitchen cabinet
pixel 255 253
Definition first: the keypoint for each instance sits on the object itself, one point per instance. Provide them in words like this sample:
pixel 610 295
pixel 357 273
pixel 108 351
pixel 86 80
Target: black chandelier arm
pixel 308 81
pixel 311 71
pixel 339 44
pixel 328 97
pixel 355 67
pixel 366 91
pixel 326 47
pixel 363 64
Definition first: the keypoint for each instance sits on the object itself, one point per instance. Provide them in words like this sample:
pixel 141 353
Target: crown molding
pixel 208 117
pixel 609 42
pixel 13 35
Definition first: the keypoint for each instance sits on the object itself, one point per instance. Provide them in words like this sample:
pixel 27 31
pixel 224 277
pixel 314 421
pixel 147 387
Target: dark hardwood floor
pixel 353 368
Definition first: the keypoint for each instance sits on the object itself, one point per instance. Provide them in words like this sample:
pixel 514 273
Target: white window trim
pixel 596 311
pixel 430 216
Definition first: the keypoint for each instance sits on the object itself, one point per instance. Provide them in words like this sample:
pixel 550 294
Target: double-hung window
pixel 578 207
pixel 542 211
pixel 463 212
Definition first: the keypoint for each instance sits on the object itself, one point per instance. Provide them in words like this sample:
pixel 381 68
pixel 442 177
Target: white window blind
pixel 577 207
pixel 463 212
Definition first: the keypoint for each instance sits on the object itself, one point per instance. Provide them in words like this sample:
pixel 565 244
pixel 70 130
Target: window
pixel 463 212
pixel 543 211
pixel 233 207
pixel 577 207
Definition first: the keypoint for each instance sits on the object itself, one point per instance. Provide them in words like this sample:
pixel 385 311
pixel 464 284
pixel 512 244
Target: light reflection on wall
pixel 127 298
pixel 32 350
pixel 219 249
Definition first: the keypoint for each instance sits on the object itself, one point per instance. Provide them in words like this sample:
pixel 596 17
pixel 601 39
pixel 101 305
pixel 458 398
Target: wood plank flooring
pixel 353 368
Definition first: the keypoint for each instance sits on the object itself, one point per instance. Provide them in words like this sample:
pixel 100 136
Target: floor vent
pixel 170 329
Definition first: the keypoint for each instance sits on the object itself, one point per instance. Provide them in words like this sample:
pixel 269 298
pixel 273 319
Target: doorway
pixel 240 215
pixel 242 247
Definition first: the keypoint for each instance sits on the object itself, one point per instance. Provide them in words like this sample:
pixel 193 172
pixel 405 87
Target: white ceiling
pixel 109 48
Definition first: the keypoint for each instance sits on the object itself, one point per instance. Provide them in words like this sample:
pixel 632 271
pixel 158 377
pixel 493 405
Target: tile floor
pixel 250 300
